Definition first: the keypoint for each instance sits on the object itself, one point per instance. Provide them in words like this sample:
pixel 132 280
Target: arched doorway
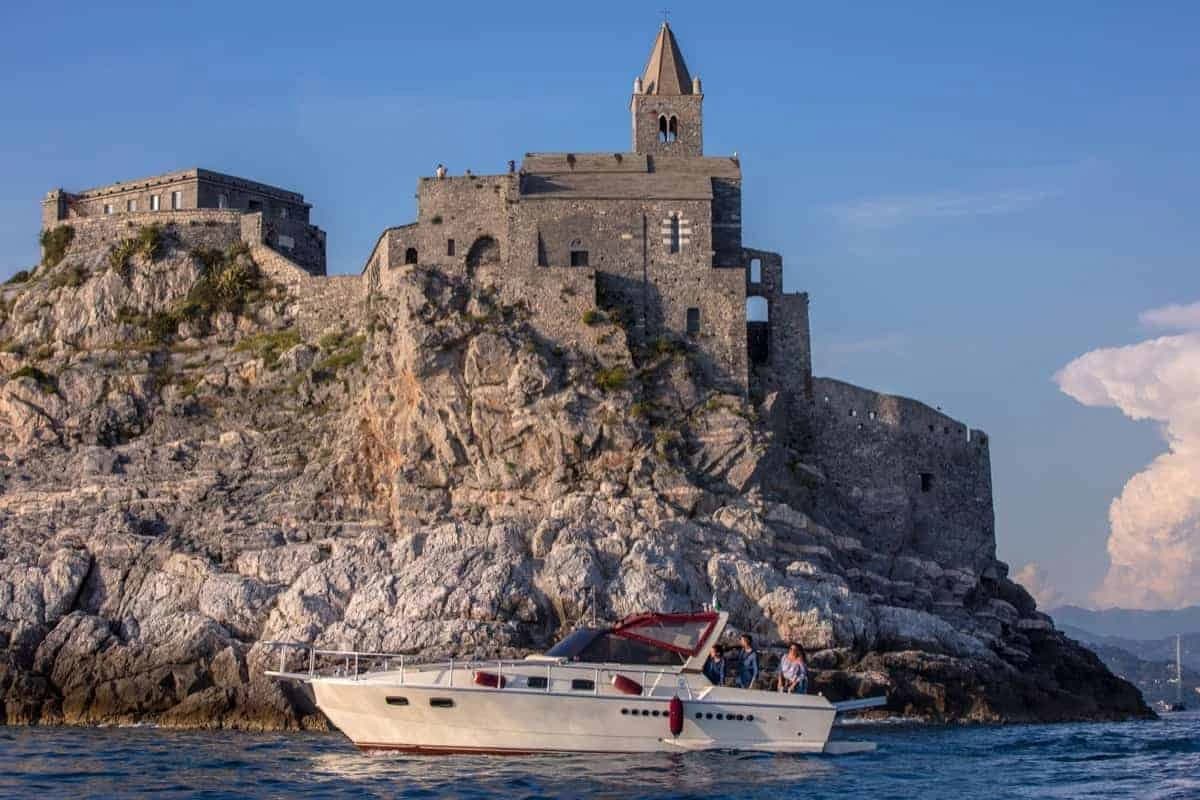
pixel 483 252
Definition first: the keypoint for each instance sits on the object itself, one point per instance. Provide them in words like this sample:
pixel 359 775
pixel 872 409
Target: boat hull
pixel 442 719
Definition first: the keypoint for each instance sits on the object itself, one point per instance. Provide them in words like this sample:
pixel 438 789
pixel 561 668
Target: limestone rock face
pixel 426 473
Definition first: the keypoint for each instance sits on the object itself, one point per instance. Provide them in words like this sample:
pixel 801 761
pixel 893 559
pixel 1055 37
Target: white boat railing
pixel 321 662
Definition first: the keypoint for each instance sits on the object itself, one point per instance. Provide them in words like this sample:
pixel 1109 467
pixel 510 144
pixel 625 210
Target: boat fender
pixel 491 680
pixel 675 716
pixel 626 685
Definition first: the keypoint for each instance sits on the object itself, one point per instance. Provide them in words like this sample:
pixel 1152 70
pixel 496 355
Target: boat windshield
pixel 658 639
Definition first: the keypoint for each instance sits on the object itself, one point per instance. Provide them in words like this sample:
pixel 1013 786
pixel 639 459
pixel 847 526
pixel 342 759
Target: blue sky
pixel 972 196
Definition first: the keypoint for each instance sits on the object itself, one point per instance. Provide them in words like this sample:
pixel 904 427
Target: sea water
pixel 1152 759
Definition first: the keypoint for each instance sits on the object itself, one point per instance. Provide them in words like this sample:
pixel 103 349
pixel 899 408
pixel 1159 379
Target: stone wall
pixel 780 347
pixel 903 475
pixel 462 210
pixel 285 225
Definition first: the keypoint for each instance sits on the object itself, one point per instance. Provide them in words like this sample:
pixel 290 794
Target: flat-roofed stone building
pixel 286 227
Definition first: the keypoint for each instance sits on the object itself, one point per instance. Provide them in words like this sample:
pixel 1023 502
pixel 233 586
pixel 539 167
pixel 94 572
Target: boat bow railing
pixel 354 664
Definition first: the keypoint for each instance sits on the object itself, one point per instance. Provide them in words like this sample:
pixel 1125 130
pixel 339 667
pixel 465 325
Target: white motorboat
pixel 637 686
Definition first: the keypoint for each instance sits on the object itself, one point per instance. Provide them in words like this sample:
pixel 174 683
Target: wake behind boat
pixel 637 686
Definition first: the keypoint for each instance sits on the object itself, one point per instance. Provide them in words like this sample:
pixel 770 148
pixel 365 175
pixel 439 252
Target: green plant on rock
pixel 45 382
pixel 20 277
pixel 592 317
pixel 55 242
pixel 347 353
pixel 71 276
pixel 269 346
pixel 612 379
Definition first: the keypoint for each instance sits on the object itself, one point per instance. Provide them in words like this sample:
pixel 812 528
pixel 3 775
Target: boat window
pixel 583 685
pixel 536 682
pixel 397 701
pixel 609 649
pixel 441 702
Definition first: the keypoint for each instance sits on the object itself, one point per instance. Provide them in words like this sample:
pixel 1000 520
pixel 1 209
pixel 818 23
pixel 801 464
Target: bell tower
pixel 667 103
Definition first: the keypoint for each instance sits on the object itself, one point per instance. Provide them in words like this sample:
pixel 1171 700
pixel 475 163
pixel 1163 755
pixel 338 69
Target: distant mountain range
pixel 1129 623
pixel 1140 645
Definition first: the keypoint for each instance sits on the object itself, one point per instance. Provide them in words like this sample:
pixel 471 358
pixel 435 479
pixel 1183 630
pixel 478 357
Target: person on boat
pixel 747 663
pixel 714 666
pixel 793 671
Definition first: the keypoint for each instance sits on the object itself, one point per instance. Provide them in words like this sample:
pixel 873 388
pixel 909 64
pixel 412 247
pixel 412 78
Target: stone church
pixel 656 230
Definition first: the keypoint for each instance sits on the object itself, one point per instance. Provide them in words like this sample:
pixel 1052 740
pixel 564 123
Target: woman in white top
pixel 793 671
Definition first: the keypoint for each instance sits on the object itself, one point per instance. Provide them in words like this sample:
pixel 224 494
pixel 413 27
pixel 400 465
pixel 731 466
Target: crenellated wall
pixel 905 475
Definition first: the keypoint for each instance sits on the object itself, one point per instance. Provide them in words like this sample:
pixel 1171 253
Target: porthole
pixel 441 702
pixel 749 718
pixel 397 701
pixel 720 716
pixel 708 715
pixel 624 710
pixel 645 712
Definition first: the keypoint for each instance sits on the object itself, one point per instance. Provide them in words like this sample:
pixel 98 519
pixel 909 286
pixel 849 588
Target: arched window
pixel 756 309
pixel 484 251
pixel 410 255
pixel 672 130
pixel 662 129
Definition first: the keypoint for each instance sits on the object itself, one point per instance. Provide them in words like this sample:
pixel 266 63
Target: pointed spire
pixel 665 71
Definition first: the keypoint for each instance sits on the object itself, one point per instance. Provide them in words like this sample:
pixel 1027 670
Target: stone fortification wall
pixel 284 215
pixel 904 475
pixel 195 228
pixel 557 297
pixel 777 330
pixel 464 210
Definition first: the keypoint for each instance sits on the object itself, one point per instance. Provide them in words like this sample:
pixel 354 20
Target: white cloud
pixel 1154 538
pixel 1037 582
pixel 893 211
pixel 1173 317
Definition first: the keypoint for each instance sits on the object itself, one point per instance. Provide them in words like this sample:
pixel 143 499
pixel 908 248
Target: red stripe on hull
pixel 436 750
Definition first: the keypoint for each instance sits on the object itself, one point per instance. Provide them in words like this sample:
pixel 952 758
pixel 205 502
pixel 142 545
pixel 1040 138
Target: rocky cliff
pixel 200 450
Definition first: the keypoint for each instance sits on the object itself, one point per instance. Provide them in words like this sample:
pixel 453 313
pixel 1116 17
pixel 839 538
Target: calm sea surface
pixel 1143 760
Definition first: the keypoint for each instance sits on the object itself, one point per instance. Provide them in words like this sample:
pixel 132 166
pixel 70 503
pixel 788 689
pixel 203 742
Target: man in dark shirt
pixel 714 666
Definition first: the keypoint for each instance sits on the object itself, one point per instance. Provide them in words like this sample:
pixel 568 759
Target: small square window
pixel 693 321
pixel 579 258
pixel 449 247
pixel 222 201
pixel 176 200
pixel 926 481
pixel 108 208
pixel 155 202
pixel 283 213
pixel 131 205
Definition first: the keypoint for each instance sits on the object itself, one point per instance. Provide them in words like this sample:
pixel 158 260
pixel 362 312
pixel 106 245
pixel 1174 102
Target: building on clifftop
pixel 285 224
pixel 658 226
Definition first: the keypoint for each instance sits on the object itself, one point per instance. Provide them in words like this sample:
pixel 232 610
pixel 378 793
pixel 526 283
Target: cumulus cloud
pixel 1173 317
pixel 1154 537
pixel 1037 582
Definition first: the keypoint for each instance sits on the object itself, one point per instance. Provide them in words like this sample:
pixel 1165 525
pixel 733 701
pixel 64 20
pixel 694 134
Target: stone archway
pixel 484 252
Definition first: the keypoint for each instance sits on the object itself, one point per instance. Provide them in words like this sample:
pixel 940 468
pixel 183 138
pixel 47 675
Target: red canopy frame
pixel 623 629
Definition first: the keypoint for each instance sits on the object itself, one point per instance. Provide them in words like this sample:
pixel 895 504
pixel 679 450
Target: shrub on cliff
pixel 269 346
pixel 612 379
pixel 150 243
pixel 45 382
pixel 55 242
pixel 19 277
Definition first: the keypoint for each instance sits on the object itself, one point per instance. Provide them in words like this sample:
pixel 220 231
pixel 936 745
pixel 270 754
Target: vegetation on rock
pixel 55 242
pixel 45 382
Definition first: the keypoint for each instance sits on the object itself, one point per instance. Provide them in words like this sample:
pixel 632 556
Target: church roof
pixel 665 71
